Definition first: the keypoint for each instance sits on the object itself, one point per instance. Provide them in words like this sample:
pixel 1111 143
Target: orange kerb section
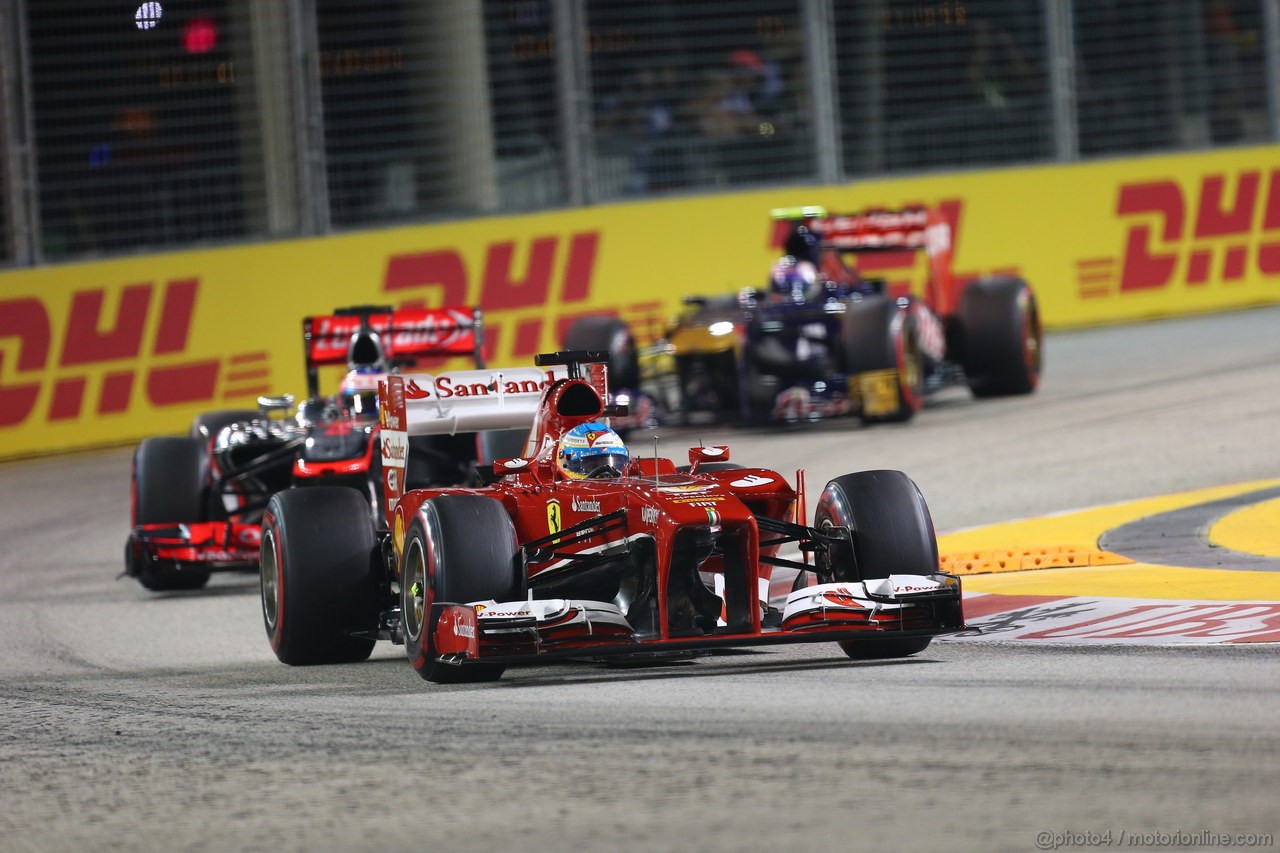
pixel 1027 559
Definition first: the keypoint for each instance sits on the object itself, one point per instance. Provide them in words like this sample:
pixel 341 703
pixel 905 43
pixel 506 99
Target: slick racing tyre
pixel 611 335
pixel 892 534
pixel 497 444
pixel 1002 337
pixel 168 488
pixel 879 337
pixel 319 586
pixel 459 549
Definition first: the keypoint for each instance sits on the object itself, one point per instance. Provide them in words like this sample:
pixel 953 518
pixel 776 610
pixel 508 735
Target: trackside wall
pixel 100 353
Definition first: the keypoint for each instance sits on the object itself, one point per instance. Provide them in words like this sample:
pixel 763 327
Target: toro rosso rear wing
pixel 908 229
pixel 384 337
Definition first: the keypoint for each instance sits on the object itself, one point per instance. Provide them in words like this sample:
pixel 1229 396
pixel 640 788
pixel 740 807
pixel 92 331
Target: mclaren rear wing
pixel 389 337
pixel 908 229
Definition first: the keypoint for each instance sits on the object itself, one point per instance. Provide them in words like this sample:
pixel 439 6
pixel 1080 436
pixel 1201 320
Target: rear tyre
pixel 611 335
pixel 892 534
pixel 500 444
pixel 878 335
pixel 459 549
pixel 168 483
pixel 1002 337
pixel 318 576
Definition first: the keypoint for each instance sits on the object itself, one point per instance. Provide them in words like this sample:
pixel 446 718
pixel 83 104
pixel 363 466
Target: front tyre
pixel 459 549
pixel 318 579
pixel 892 533
pixel 168 485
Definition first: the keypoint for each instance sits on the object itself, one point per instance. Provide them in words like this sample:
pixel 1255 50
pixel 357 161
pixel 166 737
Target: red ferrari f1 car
pixel 579 548
pixel 197 500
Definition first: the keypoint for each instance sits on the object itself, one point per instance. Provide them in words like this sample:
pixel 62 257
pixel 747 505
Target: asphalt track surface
pixel 135 721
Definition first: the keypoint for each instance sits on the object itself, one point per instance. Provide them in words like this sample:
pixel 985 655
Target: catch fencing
pixel 138 127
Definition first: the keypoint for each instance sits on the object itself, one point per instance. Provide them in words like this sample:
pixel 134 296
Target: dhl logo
pixel 98 358
pixel 514 281
pixel 1174 240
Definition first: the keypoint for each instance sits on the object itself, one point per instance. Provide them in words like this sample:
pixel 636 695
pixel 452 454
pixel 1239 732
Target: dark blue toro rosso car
pixel 820 340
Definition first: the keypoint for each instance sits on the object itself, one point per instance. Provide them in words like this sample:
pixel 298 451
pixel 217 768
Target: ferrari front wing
pixel 901 606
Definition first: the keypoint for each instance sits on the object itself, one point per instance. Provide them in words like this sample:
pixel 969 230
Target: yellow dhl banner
pixel 109 352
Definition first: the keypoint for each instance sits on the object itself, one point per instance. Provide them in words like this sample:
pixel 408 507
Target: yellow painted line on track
pixel 1140 580
pixel 1251 530
pixel 1082 528
pixel 1254 530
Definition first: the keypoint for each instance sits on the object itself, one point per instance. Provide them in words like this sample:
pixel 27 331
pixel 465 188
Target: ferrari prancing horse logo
pixel 553 516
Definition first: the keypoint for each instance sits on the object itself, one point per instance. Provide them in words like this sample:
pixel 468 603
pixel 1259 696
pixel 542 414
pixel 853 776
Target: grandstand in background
pixel 138 127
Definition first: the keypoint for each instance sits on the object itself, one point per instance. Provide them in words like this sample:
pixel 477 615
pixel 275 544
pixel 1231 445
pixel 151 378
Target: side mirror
pixel 698 455
pixel 283 403
pixel 502 467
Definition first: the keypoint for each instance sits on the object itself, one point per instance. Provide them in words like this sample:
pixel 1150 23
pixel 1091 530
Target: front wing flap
pixel 898 602
pixel 207 544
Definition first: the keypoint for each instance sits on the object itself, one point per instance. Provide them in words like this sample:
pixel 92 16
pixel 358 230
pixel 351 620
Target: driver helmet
pixel 592 449
pixel 803 245
pixel 360 389
pixel 794 280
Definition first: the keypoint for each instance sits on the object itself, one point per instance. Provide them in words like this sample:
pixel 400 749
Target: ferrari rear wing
pixel 387 337
pixel 449 403
pixel 907 229
pixel 463 400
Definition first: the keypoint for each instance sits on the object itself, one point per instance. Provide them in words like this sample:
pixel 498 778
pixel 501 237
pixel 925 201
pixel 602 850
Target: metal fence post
pixel 1060 42
pixel 573 96
pixel 819 29
pixel 17 154
pixel 308 99
pixel 1271 43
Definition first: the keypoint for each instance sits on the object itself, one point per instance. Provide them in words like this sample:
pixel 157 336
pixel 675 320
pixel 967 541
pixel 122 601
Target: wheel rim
pixel 1031 338
pixel 270 580
pixel 910 368
pixel 413 586
pixel 832 514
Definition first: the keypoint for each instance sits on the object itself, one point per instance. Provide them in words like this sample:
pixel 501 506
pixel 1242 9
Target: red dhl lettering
pixel 511 278
pixel 500 288
pixel 92 337
pixel 1161 248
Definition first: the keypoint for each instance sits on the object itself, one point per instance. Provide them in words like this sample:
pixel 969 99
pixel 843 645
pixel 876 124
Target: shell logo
pixel 398 532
